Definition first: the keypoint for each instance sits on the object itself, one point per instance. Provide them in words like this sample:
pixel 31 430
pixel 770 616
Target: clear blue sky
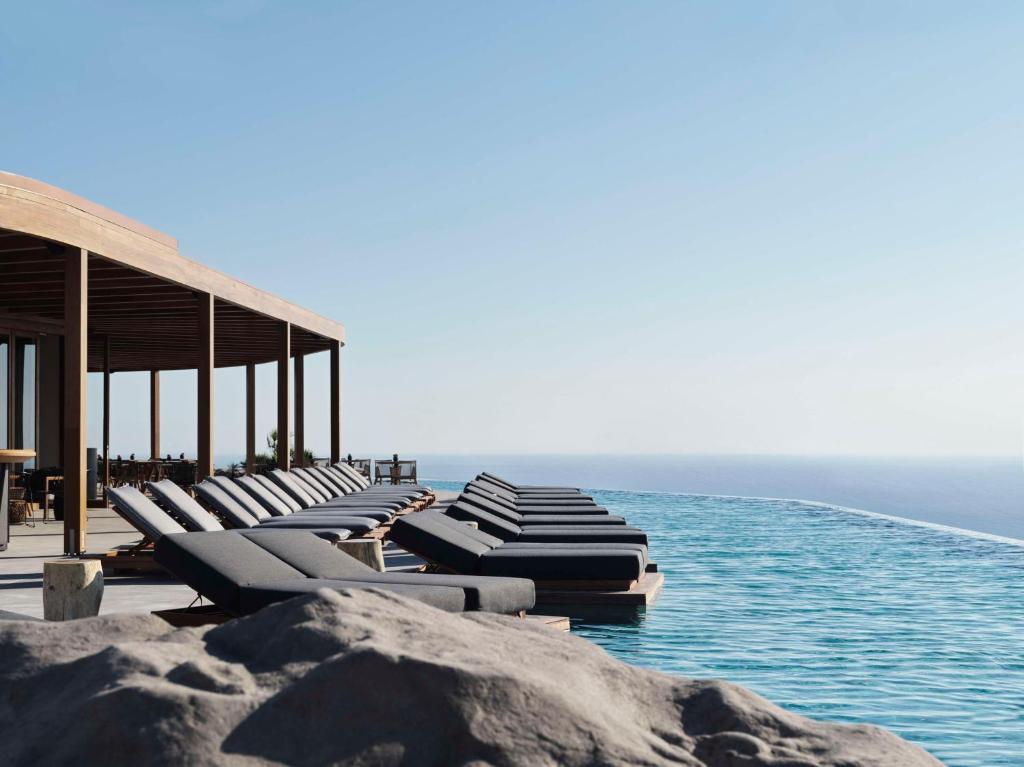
pixel 571 227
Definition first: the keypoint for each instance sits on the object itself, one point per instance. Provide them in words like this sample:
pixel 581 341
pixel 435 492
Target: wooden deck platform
pixel 643 593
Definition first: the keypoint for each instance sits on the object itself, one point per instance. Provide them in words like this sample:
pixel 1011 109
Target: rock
pixel 369 678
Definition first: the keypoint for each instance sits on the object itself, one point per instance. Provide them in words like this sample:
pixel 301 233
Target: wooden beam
pixel 154 414
pixel 284 353
pixel 76 319
pixel 106 416
pixel 34 208
pixel 250 418
pixel 204 449
pixel 300 412
pixel 335 402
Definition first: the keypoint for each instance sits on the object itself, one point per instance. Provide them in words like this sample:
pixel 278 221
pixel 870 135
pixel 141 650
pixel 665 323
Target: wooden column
pixel 204 449
pixel 300 411
pixel 76 326
pixel 335 401
pixel 250 417
pixel 154 415
pixel 106 417
pixel 283 357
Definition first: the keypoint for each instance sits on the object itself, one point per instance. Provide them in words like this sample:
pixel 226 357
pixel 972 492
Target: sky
pixel 601 227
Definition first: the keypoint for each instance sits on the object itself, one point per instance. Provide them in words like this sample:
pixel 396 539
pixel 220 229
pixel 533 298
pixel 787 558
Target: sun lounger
pixel 559 518
pixel 567 499
pixel 509 531
pixel 309 499
pixel 525 488
pixel 244 571
pixel 546 509
pixel 195 518
pixel 462 549
pixel 142 514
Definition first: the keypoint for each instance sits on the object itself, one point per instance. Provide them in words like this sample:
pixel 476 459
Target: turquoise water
pixel 836 615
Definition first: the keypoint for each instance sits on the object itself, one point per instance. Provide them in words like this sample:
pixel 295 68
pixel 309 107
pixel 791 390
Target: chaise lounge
pixel 243 571
pixel 460 548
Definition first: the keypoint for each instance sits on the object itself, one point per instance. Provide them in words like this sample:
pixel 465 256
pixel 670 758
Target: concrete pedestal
pixel 72 588
pixel 366 550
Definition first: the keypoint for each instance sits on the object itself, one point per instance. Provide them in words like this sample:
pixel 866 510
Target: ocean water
pixel 983 494
pixel 832 613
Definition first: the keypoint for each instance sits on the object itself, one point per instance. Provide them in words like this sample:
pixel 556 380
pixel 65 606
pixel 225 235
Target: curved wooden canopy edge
pixel 41 210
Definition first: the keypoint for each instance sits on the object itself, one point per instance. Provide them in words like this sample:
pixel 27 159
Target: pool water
pixel 834 614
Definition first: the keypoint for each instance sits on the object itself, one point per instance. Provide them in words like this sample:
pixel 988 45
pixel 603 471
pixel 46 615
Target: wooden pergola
pixel 122 298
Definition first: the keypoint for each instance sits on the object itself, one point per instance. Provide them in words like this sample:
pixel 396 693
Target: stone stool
pixel 72 588
pixel 366 550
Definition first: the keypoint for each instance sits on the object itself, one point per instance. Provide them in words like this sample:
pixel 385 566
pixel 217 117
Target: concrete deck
pixel 21 567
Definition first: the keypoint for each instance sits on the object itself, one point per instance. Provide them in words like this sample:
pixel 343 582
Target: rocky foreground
pixel 369 678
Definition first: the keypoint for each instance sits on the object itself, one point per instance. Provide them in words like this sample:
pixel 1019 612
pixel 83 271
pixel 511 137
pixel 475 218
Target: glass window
pixel 25 396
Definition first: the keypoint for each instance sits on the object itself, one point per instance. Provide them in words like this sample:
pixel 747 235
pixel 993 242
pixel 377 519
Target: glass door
pixel 5 383
pixel 19 382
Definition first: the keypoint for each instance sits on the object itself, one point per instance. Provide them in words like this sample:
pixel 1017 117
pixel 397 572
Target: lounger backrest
pixel 318 495
pixel 488 504
pixel 490 489
pixel 331 480
pixel 225 505
pixel 218 565
pixel 263 496
pixel 141 513
pixel 349 485
pixel 424 535
pixel 278 492
pixel 316 482
pixel 489 523
pixel 344 477
pixel 485 475
pixel 310 555
pixel 292 487
pixel 183 506
pixel 504 503
pixel 478 535
pixel 352 474
pixel 246 501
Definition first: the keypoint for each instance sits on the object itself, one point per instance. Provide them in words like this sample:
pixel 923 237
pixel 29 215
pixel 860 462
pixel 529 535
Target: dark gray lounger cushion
pixel 256 596
pixel 292 488
pixel 588 534
pixel 314 492
pixel 182 505
pixel 259 492
pixel 422 534
pixel 142 514
pixel 489 504
pixel 330 480
pixel 241 497
pixel 489 523
pixel 517 498
pixel 317 560
pixel 278 491
pixel 225 505
pixel 563 564
pixel 217 565
pixel 316 482
pixel 358 525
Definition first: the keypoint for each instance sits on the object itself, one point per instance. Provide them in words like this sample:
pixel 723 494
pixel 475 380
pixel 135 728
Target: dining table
pixel 8 458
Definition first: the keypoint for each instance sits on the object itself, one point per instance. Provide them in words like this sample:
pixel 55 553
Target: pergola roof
pixel 142 294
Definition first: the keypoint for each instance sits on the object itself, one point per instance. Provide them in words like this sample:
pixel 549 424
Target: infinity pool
pixel 836 615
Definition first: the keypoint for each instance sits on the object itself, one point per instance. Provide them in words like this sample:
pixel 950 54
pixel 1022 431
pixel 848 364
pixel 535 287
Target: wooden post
pixel 204 451
pixel 283 357
pixel 76 326
pixel 300 411
pixel 106 416
pixel 250 417
pixel 154 415
pixel 335 401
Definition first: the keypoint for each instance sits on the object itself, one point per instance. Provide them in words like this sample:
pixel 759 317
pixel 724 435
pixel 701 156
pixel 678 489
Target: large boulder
pixel 370 678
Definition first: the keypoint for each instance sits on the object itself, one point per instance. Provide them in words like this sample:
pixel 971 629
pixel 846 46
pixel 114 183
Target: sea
pixel 985 495
pixel 887 591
